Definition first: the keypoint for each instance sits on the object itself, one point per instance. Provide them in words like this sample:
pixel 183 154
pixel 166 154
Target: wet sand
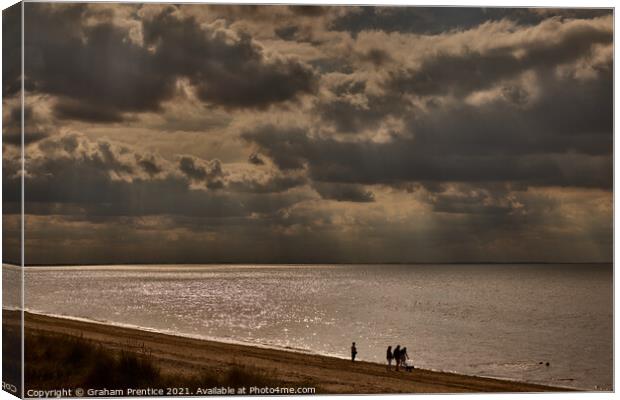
pixel 330 375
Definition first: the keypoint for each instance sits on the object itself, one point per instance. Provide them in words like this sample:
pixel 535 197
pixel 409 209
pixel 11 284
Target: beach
pixel 180 356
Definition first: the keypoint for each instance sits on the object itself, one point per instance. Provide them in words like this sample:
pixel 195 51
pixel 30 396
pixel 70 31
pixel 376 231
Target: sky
pixel 302 134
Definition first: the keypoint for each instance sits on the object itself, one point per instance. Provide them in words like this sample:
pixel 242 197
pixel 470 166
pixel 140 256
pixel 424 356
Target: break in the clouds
pixel 213 133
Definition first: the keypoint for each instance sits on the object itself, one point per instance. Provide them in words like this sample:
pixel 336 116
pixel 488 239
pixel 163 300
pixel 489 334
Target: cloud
pixel 344 192
pixel 70 174
pixel 70 109
pixel 36 127
pixel 116 75
pixel 465 144
pixel 227 68
pixel 309 11
pixel 554 43
pixel 209 172
pixel 11 50
pixel 286 147
pixel 255 159
pixel 286 32
pixel 377 57
pixel 274 183
pixel 111 75
pixel 198 170
pixel 149 164
pixel 350 117
pixel 498 200
pixel 438 20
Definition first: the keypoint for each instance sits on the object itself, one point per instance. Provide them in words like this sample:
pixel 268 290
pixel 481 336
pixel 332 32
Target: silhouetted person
pixel 353 352
pixel 397 356
pixel 389 356
pixel 404 357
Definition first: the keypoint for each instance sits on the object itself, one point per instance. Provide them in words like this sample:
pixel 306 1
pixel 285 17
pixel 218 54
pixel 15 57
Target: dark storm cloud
pixel 71 175
pixel 35 130
pixel 557 134
pixel 112 75
pixel 148 164
pixel 70 109
pixel 437 20
pixel 230 74
pixel 287 32
pixel 289 149
pixel 461 74
pixel 561 139
pixel 97 72
pixel 210 172
pixel 11 50
pixel 255 159
pixel 67 143
pixel 101 196
pixel 107 159
pixel 420 19
pixel 310 11
pixel 16 139
pixel 568 116
pixel 377 57
pixel 274 184
pixel 344 192
pixel 347 117
pixel 400 161
pixel 498 200
pixel 333 64
pixel 57 152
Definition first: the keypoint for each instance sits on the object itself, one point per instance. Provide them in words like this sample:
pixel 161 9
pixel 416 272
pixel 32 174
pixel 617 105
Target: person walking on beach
pixel 404 357
pixel 396 356
pixel 353 352
pixel 389 356
pixel 406 362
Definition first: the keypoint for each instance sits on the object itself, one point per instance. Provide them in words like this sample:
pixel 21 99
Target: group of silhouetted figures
pixel 399 356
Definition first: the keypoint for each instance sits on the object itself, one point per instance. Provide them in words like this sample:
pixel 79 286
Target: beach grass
pixel 11 354
pixel 77 362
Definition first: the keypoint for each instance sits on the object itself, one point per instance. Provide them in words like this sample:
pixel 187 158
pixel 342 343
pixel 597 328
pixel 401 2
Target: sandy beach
pixel 181 356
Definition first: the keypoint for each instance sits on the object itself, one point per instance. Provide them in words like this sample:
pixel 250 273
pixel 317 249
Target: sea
pixel 495 320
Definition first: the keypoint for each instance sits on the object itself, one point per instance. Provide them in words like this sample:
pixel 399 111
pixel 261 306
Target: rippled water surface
pixel 494 320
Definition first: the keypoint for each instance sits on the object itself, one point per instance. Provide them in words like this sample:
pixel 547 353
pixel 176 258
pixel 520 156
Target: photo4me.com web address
pixel 177 391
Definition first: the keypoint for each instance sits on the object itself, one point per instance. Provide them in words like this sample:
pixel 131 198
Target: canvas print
pixel 228 199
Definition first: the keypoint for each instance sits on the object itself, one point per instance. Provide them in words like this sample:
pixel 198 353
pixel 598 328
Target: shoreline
pixel 333 375
pixel 266 346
